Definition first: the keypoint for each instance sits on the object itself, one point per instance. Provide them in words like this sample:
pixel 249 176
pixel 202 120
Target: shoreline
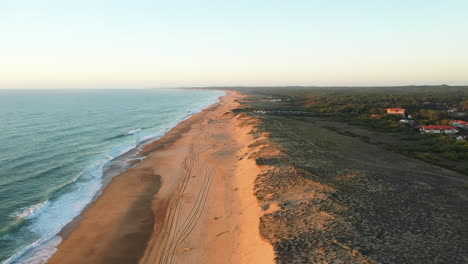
pixel 45 248
pixel 122 223
pixel 119 165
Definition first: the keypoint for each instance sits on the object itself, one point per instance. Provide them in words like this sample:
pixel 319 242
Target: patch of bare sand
pixel 213 216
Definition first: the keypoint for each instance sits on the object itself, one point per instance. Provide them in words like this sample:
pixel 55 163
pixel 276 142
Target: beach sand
pixel 190 201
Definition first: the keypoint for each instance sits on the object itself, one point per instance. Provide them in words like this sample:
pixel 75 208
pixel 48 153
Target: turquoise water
pixel 54 147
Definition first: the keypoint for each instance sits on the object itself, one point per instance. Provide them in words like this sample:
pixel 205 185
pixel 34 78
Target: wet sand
pixel 190 201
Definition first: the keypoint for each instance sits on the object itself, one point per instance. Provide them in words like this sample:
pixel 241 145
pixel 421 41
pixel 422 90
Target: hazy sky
pixel 150 43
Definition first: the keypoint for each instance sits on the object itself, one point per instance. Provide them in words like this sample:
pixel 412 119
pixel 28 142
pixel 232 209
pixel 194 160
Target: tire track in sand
pixel 177 227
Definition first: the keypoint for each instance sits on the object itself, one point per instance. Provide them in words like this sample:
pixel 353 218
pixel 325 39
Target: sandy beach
pixel 190 201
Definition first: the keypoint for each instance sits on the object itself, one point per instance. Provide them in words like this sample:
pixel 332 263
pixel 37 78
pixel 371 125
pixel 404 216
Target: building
pixel 438 129
pixel 396 111
pixel 460 123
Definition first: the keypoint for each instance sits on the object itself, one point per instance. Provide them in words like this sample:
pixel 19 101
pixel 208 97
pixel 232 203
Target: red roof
pixel 396 109
pixel 438 127
pixel 460 122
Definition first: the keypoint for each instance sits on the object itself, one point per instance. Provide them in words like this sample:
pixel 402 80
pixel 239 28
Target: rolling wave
pixel 30 211
pixel 134 131
pixel 129 133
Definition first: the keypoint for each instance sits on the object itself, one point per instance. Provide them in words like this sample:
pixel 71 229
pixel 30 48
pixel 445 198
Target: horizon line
pixel 234 86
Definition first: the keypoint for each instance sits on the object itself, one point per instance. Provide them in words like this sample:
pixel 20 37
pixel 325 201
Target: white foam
pixel 50 217
pixel 41 253
pixel 30 211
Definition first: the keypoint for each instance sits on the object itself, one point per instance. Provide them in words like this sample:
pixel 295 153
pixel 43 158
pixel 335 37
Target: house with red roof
pixel 396 111
pixel 438 129
pixel 460 123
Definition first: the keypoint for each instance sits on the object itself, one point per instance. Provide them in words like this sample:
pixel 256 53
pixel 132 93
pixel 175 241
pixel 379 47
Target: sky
pixel 174 43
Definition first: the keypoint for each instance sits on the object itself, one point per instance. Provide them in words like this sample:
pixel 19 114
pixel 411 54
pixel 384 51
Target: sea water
pixel 55 146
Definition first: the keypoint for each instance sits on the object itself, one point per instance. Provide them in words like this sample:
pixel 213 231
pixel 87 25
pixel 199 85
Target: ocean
pixel 55 146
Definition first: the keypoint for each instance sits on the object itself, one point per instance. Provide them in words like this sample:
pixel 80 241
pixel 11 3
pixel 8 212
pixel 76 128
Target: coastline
pixel 111 158
pixel 144 211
